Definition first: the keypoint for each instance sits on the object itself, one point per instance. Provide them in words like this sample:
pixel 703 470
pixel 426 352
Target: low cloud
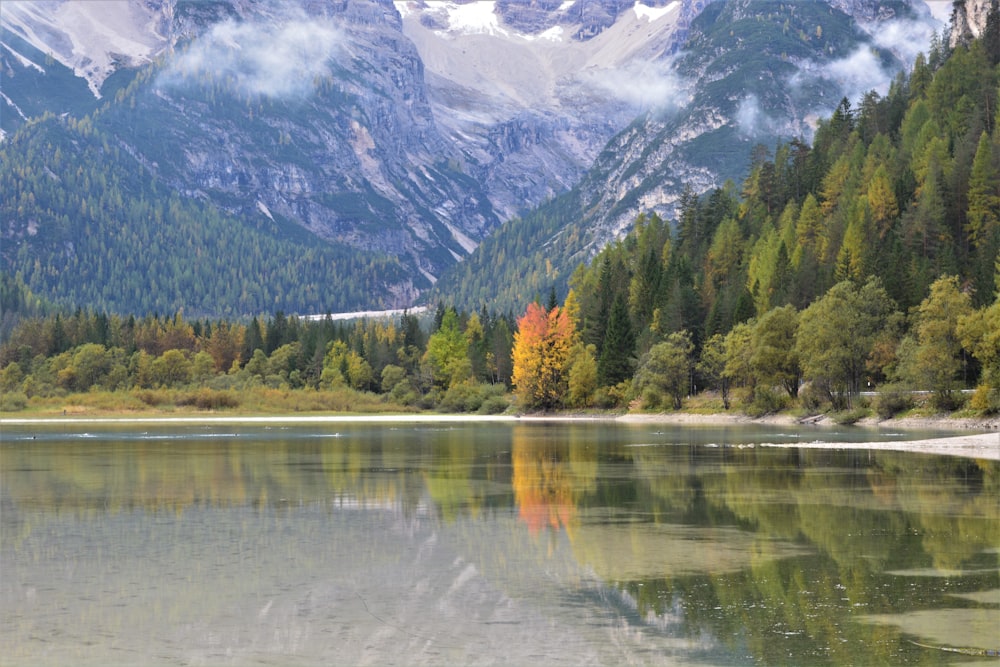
pixel 282 58
pixel 859 73
pixel 753 121
pixel 644 85
pixel 852 76
pixel 865 69
pixel 906 38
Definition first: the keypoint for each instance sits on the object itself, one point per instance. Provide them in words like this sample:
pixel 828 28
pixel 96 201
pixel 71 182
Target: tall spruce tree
pixel 615 363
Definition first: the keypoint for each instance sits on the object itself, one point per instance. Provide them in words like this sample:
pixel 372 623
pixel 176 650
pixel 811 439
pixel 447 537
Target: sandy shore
pixel 974 445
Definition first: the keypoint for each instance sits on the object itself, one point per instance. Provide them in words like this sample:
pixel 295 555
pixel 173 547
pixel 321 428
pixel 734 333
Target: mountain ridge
pixel 350 126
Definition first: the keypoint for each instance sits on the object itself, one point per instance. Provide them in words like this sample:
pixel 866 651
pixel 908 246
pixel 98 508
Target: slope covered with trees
pixel 93 231
pixel 875 244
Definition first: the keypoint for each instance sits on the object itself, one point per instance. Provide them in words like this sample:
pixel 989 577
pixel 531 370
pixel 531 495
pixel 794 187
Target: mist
pixel 643 85
pixel 906 38
pixel 275 59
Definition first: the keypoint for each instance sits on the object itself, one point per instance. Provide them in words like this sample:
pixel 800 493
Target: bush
pixel 766 401
pixel 848 417
pixel 892 400
pixel 494 405
pixel 462 397
pixel 13 401
pixel 652 399
pixel 813 398
pixel 210 399
pixel 153 397
pixel 467 397
pixel 947 401
pixel 985 400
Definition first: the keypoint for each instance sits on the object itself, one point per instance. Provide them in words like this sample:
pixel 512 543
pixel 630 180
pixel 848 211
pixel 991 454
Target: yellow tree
pixel 542 357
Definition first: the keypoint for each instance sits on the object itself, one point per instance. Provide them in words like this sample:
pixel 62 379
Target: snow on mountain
pixel 92 38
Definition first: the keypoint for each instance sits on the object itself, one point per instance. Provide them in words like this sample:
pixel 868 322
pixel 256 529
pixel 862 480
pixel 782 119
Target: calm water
pixel 489 543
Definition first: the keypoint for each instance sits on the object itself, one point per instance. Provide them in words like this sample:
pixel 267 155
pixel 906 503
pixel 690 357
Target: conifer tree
pixel 615 362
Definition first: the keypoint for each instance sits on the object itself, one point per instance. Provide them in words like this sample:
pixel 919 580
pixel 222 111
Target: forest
pixel 868 259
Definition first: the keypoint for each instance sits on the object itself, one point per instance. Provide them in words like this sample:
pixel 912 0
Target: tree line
pixel 458 361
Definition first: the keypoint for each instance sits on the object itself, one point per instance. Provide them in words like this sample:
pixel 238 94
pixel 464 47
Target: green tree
pixel 979 332
pixel 983 217
pixel 933 359
pixel 666 370
pixel 712 365
pixel 738 352
pixel 447 352
pixel 582 375
pixel 172 369
pixel 615 362
pixel 773 357
pixel 837 334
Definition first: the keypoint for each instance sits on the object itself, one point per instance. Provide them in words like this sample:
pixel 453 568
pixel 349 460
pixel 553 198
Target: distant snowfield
pixel 88 37
pixel 91 37
pixel 655 13
pixel 369 314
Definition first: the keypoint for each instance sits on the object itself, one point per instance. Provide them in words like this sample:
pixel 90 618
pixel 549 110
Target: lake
pixel 481 543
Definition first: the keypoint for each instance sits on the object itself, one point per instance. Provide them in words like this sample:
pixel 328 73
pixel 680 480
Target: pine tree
pixel 983 217
pixel 615 363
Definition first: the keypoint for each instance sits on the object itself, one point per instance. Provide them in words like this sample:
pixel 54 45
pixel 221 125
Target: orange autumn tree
pixel 541 356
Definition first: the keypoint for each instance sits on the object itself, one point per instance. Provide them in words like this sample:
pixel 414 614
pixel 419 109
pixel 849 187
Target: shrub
pixel 210 399
pixel 766 401
pixel 153 397
pixel 848 417
pixel 812 397
pixel 652 399
pixel 494 405
pixel 13 401
pixel 891 400
pixel 947 401
pixel 468 397
pixel 985 400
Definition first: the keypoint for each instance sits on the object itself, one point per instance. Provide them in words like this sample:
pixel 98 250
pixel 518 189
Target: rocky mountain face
pixel 968 20
pixel 413 129
pixel 784 69
pixel 410 129
pixel 751 74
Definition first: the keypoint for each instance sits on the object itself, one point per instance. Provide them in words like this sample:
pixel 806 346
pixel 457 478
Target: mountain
pixel 756 73
pixel 319 118
pixel 382 143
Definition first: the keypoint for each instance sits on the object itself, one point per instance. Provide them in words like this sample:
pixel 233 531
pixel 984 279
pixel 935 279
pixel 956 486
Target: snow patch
pixel 25 62
pixel 653 13
pixel 13 106
pixel 262 207
pixel 403 7
pixel 474 18
pixel 88 37
pixel 553 34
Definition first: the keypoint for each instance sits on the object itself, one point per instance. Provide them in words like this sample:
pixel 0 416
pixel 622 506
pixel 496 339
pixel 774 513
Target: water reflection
pixel 512 543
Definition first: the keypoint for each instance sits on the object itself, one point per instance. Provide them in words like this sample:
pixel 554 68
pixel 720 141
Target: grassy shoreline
pixel 311 405
pixel 982 441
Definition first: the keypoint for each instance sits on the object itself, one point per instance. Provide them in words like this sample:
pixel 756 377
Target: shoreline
pixel 983 445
